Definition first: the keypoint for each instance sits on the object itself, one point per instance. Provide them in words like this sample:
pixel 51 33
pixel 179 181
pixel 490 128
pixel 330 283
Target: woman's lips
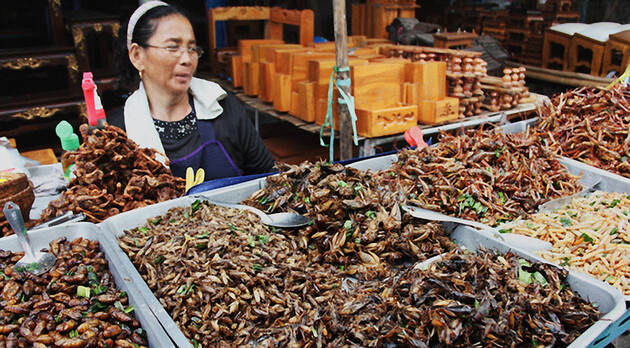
pixel 183 77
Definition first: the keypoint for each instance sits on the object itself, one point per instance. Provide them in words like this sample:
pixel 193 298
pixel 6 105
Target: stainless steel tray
pixel 116 225
pixel 609 182
pixel 610 300
pixel 41 238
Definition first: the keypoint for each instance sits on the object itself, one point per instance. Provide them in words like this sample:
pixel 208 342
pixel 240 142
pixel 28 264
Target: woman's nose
pixel 187 57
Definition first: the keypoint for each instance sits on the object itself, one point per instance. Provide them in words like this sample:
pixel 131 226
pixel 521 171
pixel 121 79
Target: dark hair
pixel 143 31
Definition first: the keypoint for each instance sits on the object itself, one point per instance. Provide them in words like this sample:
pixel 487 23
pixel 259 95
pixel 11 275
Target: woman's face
pixel 171 71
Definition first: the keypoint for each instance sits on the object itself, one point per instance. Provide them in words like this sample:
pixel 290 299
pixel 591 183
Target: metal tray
pixel 116 225
pixel 609 300
pixel 610 182
pixel 156 336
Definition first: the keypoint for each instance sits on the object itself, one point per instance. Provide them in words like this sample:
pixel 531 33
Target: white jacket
pixel 138 120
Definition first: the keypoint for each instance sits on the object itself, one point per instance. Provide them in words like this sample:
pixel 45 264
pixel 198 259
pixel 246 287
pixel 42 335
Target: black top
pixel 182 137
pixel 232 129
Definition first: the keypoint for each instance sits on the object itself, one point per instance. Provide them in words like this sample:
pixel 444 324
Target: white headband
pixel 137 14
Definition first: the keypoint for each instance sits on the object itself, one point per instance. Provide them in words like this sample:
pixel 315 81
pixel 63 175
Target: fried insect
pixel 356 216
pixel 228 281
pixel 591 125
pixel 49 310
pixel 464 300
pixel 486 176
pixel 114 175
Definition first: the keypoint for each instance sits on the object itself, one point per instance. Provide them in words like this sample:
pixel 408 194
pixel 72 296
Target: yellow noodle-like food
pixel 590 235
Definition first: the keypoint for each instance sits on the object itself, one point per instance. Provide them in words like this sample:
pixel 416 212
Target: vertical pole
pixel 341 50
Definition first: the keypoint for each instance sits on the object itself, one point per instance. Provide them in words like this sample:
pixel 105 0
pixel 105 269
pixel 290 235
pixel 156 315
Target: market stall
pixel 360 238
pixel 159 263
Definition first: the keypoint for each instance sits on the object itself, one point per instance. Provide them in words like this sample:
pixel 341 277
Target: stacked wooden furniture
pixel 523 34
pixel 371 18
pixel 556 45
pixel 464 69
pixel 616 53
pixel 294 71
pixel 463 15
pixel 313 92
pixel 587 47
pixel 525 38
pixel 504 93
pixel 43 54
pixel 491 19
pixel 379 99
pixel 297 81
pixel 275 18
pixel 458 39
pixel 494 23
pixel 561 11
pixel 394 87
pixel 426 85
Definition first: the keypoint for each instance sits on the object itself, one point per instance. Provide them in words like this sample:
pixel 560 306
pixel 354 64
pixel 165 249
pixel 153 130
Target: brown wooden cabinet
pixel 45 46
pixel 40 81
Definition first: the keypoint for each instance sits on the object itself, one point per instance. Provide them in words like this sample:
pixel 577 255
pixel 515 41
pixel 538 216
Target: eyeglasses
pixel 176 51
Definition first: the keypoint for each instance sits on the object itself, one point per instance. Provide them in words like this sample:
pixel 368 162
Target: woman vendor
pixel 191 120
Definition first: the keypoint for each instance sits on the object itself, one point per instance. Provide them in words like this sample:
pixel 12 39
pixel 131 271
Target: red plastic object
pixel 93 105
pixel 414 137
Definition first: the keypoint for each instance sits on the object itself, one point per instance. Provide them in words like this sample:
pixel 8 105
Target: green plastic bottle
pixel 69 143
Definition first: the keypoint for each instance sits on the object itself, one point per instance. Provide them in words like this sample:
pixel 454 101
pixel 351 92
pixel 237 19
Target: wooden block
pixel 435 112
pixel 357 41
pixel 297 64
pixel 276 55
pixel 364 51
pixel 293 109
pixel 271 53
pixel 413 72
pixel 319 71
pixel 250 78
pixel 245 47
pixel 282 92
pixel 376 123
pixel 236 68
pixel 306 101
pixel 411 95
pixel 431 79
pixel 259 51
pixel 265 81
pixel 377 86
pixel 321 107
